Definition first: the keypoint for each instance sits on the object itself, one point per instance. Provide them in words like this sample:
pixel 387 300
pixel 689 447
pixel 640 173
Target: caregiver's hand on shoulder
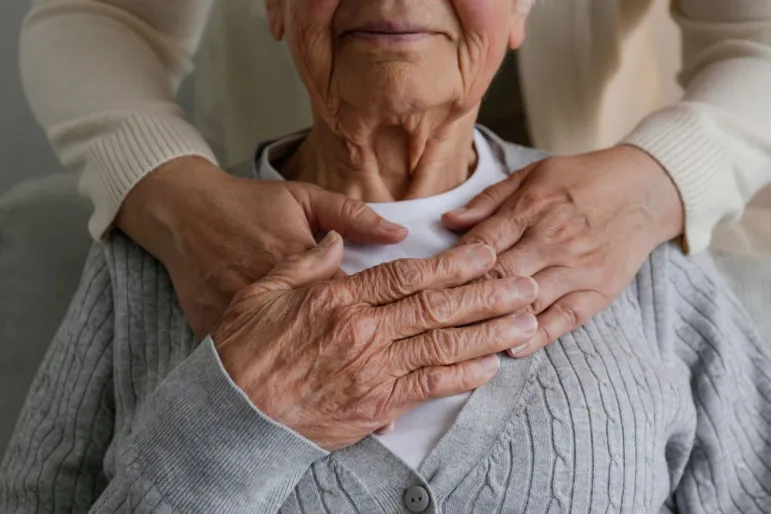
pixel 581 226
pixel 336 359
pixel 216 233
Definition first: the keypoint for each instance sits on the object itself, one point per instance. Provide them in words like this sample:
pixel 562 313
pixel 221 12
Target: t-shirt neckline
pixel 401 211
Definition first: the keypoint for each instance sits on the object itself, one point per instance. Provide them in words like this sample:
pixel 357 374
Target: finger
pixel 555 283
pixel 486 203
pixel 524 259
pixel 442 381
pixel 565 315
pixel 316 264
pixel 351 218
pixel 451 346
pixel 398 279
pixel 502 231
pixel 445 308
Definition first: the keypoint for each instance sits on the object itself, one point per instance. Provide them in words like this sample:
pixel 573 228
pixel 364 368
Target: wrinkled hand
pixel 581 226
pixel 216 233
pixel 337 359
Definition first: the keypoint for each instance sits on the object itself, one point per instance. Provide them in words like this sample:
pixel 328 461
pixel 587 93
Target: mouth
pixel 390 32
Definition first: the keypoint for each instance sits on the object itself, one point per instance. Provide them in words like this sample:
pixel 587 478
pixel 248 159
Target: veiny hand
pixel 581 226
pixel 216 233
pixel 337 359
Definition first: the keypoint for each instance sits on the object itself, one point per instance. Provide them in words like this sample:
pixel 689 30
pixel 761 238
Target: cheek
pixel 490 17
pixel 315 9
pixel 485 27
pixel 309 36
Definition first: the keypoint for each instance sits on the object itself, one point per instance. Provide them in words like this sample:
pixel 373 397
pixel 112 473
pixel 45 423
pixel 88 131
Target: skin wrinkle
pixel 393 148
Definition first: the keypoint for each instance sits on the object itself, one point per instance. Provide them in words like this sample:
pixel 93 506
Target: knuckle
pixel 564 230
pixel 437 306
pixel 405 275
pixel 442 346
pixel 448 265
pixel 493 296
pixel 352 327
pixel 531 201
pixel 352 208
pixel 489 195
pixel 551 235
pixel 429 384
pixel 571 315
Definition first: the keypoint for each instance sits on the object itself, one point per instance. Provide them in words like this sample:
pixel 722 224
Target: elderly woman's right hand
pixel 337 359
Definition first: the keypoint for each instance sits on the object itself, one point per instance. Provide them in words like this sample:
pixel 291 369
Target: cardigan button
pixel 416 499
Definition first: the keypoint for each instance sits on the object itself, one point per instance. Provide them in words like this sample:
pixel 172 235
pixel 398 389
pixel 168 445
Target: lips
pixel 390 29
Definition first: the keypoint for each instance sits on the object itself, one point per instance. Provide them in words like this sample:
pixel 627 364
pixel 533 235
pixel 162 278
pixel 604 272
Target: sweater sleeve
pixel 101 77
pixel 722 462
pixel 716 143
pixel 197 444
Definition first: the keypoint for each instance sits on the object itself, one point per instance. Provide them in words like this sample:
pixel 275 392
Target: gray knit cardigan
pixel 658 404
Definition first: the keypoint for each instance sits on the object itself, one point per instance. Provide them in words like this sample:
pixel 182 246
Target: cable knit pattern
pixel 663 397
pixel 661 403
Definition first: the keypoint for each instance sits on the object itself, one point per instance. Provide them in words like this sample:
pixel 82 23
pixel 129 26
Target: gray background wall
pixel 24 150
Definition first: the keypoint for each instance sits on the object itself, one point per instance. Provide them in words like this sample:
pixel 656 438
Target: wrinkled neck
pixel 387 163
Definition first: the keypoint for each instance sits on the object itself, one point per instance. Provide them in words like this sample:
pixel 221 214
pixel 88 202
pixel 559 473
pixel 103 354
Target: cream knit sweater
pixel 101 76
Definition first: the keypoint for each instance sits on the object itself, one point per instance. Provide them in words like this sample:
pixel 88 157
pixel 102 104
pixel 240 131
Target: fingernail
pixel 527 288
pixel 391 227
pixel 482 255
pixel 519 350
pixel 491 363
pixel 526 323
pixel 328 240
pixel 459 212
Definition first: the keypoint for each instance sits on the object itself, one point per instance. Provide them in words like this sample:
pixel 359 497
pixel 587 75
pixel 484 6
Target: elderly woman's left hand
pixel 581 226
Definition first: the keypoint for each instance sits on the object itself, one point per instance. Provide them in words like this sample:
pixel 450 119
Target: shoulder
pixel 135 274
pixel 689 303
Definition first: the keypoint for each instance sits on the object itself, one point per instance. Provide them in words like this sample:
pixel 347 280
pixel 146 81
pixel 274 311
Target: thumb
pixel 314 265
pixel 486 203
pixel 353 219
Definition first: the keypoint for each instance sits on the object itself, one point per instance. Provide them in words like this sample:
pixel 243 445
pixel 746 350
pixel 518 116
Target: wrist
pixel 153 212
pixel 661 198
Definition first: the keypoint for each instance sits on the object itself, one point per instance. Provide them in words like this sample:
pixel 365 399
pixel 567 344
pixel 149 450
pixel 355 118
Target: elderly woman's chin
pixel 395 93
pixel 398 88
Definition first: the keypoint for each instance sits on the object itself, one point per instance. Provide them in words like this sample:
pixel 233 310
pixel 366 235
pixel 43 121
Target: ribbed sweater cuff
pixel 134 146
pixel 680 139
pixel 206 448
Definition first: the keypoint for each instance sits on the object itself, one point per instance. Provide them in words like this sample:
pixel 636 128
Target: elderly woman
pixel 658 404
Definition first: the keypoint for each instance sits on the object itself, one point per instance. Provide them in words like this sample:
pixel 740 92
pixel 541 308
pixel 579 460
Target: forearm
pixel 199 445
pixel 716 143
pixel 101 77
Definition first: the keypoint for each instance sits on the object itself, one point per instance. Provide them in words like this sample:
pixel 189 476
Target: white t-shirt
pixel 417 432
